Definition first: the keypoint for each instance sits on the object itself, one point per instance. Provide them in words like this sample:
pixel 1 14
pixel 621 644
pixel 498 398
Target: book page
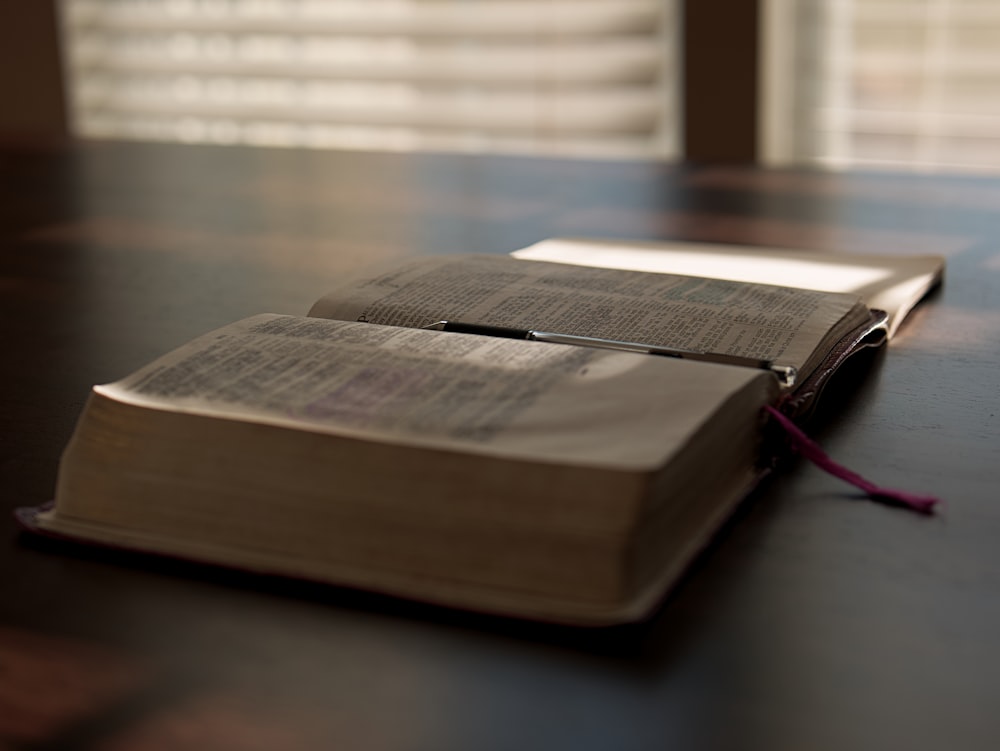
pixel 890 282
pixel 503 397
pixel 781 324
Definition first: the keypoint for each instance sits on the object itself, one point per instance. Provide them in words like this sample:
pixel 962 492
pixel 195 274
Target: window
pixel 590 77
pixel 895 83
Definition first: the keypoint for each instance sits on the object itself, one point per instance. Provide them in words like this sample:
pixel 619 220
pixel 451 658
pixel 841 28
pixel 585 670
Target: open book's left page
pixel 474 394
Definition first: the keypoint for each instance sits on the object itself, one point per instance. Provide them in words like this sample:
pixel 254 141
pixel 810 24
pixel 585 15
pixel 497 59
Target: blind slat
pixel 376 18
pixel 626 61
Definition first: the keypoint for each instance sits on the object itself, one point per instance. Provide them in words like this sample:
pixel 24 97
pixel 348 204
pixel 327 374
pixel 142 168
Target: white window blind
pixel 580 77
pixel 896 83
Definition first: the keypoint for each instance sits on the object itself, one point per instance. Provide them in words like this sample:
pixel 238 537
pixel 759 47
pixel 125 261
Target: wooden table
pixel 818 621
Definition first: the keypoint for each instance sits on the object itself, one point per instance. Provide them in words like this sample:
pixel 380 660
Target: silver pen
pixel 786 373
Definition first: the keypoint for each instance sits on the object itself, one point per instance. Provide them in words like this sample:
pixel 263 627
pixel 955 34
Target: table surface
pixel 816 620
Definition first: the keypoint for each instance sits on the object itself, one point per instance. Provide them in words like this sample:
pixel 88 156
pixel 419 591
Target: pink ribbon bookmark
pixel 807 447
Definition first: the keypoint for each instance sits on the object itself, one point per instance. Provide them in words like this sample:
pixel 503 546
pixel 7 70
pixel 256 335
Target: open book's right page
pixel 893 283
pixel 782 325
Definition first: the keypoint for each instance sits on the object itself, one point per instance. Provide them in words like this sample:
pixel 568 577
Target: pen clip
pixel 457 327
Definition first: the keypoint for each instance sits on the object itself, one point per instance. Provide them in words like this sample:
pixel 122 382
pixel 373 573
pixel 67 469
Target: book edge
pixel 641 606
pixel 451 595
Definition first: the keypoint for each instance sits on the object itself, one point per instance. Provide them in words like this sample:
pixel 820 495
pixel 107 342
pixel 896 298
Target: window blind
pixel 897 83
pixel 587 77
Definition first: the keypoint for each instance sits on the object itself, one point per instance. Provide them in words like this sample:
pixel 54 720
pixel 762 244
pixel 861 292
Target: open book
pixel 541 480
